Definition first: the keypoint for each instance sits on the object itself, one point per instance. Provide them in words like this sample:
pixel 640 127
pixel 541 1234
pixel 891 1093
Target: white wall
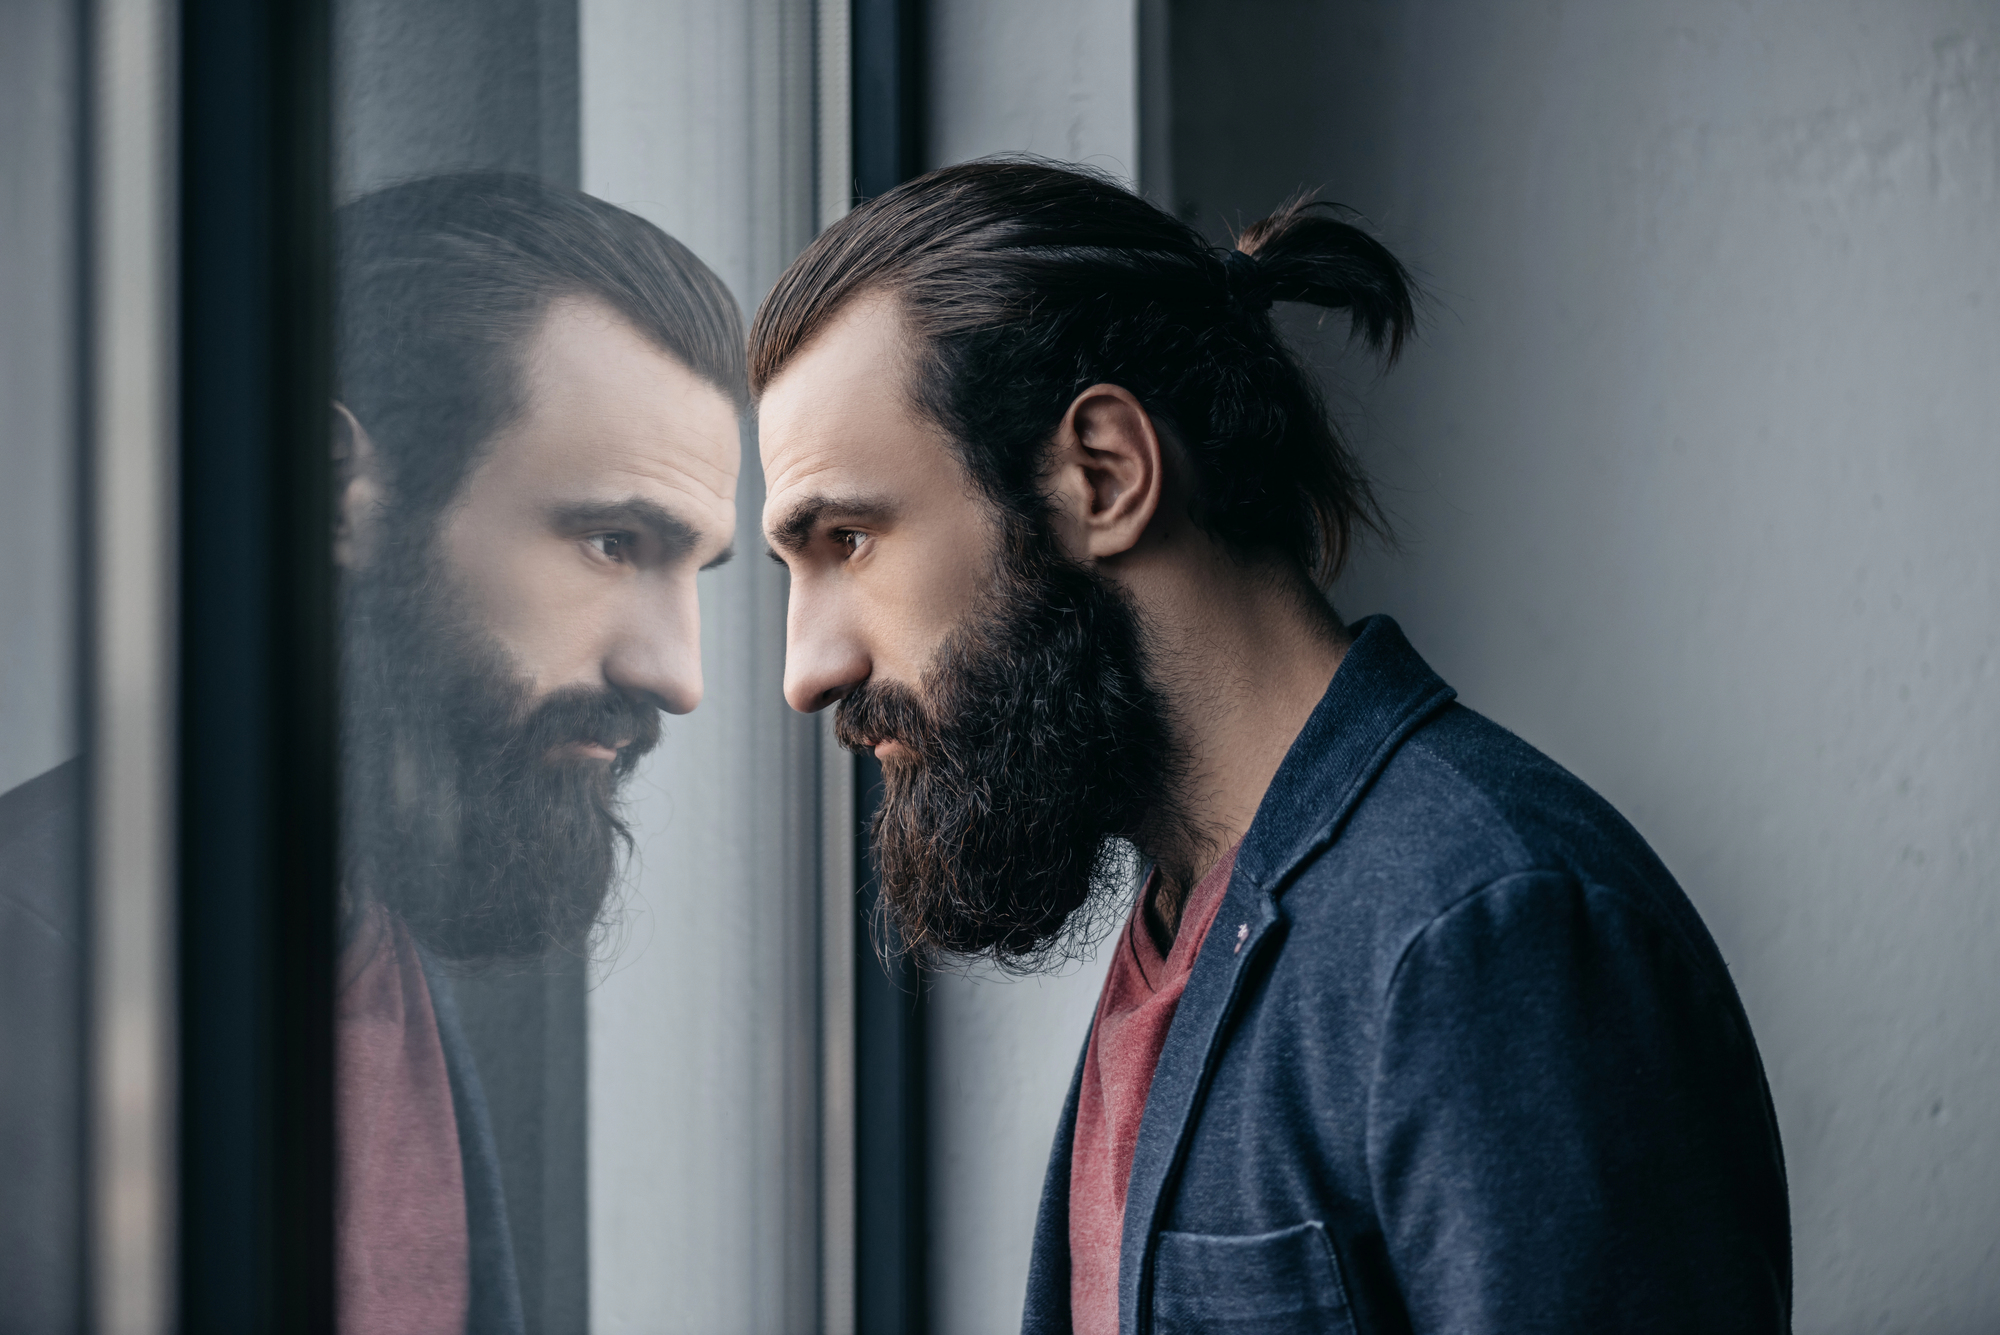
pixel 1698 467
pixel 1059 79
pixel 703 1077
pixel 1034 76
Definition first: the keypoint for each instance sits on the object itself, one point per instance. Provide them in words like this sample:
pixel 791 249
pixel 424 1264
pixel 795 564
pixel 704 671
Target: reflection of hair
pixel 1026 283
pixel 441 280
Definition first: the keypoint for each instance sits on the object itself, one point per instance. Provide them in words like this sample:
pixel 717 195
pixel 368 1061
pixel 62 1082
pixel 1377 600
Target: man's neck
pixel 1242 655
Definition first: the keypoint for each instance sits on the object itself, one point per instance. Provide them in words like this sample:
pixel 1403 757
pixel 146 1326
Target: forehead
pixel 839 417
pixel 605 409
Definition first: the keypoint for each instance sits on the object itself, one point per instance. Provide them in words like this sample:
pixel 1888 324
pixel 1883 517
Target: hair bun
pixel 1305 253
pixel 1246 282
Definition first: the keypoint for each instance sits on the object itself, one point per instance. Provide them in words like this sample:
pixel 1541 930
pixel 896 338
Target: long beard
pixel 461 813
pixel 1036 743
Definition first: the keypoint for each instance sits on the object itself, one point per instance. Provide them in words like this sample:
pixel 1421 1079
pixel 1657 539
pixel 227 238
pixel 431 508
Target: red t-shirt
pixel 1141 992
pixel 403 1260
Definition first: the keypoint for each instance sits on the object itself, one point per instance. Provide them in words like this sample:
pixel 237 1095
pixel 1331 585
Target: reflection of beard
pixel 1035 741
pixel 458 816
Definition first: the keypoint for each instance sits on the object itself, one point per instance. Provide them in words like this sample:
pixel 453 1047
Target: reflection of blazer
pixel 41 1053
pixel 496 1287
pixel 41 1104
pixel 1458 1056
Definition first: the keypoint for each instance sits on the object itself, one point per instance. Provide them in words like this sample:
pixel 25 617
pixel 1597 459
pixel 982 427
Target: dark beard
pixel 457 817
pixel 1036 741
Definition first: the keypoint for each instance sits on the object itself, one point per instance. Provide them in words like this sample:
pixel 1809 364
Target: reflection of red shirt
pixel 402 1257
pixel 1141 992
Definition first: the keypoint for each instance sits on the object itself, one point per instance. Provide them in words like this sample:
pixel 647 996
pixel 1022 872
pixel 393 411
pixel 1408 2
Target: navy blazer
pixel 495 1306
pixel 42 1109
pixel 1457 1056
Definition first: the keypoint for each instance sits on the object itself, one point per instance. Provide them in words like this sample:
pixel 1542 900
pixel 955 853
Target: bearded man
pixel 537 431
pixel 1407 1030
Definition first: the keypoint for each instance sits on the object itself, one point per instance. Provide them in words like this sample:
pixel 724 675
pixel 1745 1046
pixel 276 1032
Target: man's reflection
pixel 537 436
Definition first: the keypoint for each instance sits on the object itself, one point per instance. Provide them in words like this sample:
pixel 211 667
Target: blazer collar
pixel 1381 693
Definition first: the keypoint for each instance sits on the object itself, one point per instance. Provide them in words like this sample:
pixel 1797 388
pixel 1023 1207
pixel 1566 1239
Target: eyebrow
pixel 675 536
pixel 794 529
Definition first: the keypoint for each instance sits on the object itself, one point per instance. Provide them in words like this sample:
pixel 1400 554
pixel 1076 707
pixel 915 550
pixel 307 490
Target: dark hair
pixel 1026 282
pixel 440 281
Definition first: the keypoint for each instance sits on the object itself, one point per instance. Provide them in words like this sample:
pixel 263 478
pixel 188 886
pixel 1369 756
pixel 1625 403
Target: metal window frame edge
pixel 131 304
pixel 833 170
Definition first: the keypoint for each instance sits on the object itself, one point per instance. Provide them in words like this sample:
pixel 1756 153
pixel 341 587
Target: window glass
pixel 42 918
pixel 578 1011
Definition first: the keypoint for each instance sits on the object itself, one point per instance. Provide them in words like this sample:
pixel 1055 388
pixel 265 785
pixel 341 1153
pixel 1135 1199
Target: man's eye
pixel 616 546
pixel 849 540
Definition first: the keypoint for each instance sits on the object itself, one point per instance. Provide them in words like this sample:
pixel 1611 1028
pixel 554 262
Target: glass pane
pixel 42 920
pixel 578 1010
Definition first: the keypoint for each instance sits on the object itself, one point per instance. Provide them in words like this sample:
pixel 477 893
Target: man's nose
pixel 657 652
pixel 824 659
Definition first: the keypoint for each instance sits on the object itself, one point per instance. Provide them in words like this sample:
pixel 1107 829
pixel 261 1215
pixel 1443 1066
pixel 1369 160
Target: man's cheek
pixel 549 640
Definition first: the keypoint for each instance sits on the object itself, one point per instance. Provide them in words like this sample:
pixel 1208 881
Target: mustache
pixel 883 711
pixel 582 715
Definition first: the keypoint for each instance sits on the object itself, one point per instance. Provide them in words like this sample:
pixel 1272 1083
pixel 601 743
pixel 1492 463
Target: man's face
pixel 576 539
pixel 888 541
pixel 1002 686
pixel 510 660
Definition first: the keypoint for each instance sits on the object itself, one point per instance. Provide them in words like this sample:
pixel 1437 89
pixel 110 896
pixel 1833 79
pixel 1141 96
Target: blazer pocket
pixel 1262 1284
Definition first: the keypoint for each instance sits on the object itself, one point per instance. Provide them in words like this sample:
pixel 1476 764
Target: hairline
pixel 913 344
pixel 513 367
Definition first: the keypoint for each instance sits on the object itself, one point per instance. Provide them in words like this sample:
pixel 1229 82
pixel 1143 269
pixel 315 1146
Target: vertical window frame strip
pixel 838 844
pixel 888 116
pixel 255 753
pixel 130 305
pixel 833 168
pixel 834 113
pixel 1156 103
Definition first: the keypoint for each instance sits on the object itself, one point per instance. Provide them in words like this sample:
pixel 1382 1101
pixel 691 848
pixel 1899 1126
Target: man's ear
pixel 1105 473
pixel 358 492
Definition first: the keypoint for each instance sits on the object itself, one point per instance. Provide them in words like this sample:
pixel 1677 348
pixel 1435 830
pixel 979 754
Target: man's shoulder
pixel 1465 808
pixel 1495 800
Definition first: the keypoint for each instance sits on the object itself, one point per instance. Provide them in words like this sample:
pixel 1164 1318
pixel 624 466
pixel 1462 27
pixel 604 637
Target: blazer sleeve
pixel 1569 1127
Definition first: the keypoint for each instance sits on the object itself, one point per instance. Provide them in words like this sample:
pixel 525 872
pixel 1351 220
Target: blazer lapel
pixel 1381 693
pixel 1047 1309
